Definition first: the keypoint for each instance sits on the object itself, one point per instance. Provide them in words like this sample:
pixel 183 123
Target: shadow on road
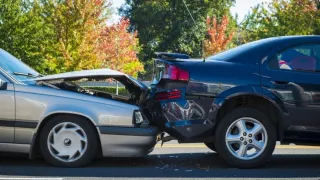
pixel 169 165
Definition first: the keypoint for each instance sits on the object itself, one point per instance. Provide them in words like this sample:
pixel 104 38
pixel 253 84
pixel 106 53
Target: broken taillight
pixel 174 73
pixel 167 95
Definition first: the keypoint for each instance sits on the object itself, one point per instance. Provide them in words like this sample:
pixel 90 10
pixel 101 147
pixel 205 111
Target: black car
pixel 241 101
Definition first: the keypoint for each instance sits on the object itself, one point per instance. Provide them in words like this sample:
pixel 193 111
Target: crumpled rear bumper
pixel 127 141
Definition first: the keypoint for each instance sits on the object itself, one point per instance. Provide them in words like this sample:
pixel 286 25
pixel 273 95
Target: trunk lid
pixel 173 109
pixel 175 59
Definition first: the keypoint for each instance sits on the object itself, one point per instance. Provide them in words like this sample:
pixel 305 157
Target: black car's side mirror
pixel 3 85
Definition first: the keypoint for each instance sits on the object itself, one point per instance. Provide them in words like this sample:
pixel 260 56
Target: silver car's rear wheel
pixel 246 138
pixel 67 142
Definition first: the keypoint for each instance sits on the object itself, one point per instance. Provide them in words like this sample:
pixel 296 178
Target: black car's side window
pixel 300 58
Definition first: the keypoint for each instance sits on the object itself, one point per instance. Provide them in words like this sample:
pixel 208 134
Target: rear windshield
pixel 231 53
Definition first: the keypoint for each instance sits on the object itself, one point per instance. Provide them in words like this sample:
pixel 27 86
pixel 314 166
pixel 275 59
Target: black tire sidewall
pixel 221 133
pixel 211 146
pixel 92 147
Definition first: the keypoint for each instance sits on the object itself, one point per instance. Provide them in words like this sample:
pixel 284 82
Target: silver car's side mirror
pixel 3 85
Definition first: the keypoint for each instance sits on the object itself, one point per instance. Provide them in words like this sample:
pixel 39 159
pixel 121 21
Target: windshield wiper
pixel 27 74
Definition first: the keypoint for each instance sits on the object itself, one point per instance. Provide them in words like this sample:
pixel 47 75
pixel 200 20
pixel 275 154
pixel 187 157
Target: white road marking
pixel 204 146
pixel 7 178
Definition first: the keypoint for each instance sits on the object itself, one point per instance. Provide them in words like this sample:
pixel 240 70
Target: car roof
pixel 294 38
pixel 252 52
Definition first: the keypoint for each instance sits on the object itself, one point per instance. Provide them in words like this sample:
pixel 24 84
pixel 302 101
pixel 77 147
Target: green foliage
pixel 280 18
pixel 119 49
pixel 77 26
pixel 24 32
pixel 55 36
pixel 167 26
pixel 49 35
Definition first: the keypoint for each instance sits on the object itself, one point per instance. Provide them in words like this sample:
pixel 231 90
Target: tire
pixel 69 141
pixel 211 146
pixel 231 153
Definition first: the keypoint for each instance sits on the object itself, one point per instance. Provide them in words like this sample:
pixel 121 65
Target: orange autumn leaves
pixel 218 38
pixel 119 49
pixel 85 41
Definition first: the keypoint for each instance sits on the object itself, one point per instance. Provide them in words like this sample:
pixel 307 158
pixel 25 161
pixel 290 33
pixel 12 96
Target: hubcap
pixel 246 138
pixel 67 142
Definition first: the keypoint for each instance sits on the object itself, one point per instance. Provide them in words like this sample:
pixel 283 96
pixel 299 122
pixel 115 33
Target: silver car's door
pixel 7 110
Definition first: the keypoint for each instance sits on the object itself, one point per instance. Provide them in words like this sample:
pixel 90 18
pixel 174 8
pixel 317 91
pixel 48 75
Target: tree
pixel 218 38
pixel 282 17
pixel 77 25
pixel 24 33
pixel 53 36
pixel 119 49
pixel 166 25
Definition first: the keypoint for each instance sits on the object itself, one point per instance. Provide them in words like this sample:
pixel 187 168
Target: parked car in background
pixel 241 101
pixel 67 124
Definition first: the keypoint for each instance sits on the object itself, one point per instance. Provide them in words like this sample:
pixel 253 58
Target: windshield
pixel 15 67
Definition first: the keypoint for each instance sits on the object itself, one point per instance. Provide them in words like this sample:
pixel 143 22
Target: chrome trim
pixel 9 77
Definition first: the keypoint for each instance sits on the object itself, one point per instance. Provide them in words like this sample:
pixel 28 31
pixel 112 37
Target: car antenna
pixel 202 45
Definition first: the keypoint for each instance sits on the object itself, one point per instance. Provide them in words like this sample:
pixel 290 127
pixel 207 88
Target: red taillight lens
pixel 174 73
pixel 167 95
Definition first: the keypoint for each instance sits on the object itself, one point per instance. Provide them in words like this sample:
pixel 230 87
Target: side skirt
pixel 15 148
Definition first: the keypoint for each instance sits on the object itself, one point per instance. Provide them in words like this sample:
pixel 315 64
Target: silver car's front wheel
pixel 69 141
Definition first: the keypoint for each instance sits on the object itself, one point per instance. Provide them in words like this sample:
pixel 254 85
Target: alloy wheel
pixel 246 138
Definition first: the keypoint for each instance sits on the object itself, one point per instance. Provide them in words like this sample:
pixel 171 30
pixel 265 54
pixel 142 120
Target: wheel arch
pixel 35 148
pixel 272 108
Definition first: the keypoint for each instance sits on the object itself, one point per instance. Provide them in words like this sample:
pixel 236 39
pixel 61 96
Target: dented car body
pixel 32 103
pixel 241 101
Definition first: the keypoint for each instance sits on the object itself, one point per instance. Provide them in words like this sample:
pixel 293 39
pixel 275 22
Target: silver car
pixel 68 124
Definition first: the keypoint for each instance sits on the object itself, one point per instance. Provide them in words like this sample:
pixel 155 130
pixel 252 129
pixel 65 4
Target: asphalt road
pixel 173 161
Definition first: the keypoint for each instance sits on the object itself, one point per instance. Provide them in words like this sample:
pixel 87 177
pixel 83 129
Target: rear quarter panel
pixel 221 79
pixel 192 117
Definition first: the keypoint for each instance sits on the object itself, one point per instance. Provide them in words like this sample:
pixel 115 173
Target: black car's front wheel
pixel 245 138
pixel 68 141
